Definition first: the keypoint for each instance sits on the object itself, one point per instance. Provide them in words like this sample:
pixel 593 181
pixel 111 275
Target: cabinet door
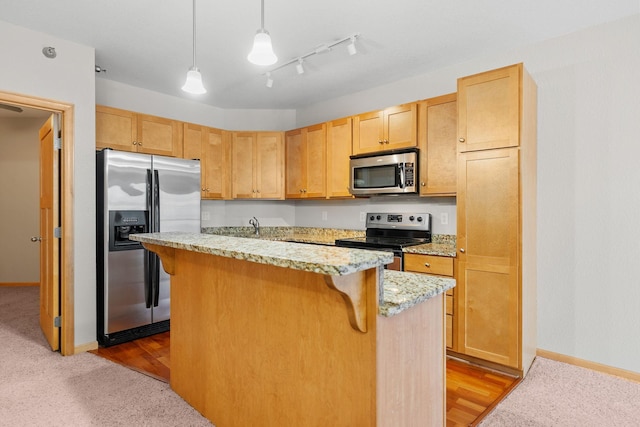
pixel 243 160
pixel 269 165
pixel 488 295
pixel 193 138
pixel 400 126
pixel 115 129
pixel 368 132
pixel 489 109
pixel 157 135
pixel 338 151
pixel 295 164
pixel 215 165
pixel 437 130
pixel 315 161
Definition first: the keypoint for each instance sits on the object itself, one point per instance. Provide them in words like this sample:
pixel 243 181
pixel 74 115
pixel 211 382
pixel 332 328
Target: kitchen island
pixel 286 334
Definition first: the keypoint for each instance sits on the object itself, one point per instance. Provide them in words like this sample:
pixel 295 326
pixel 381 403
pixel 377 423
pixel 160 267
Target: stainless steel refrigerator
pixel 138 193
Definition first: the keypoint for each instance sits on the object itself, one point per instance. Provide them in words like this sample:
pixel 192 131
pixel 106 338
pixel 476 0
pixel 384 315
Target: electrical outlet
pixel 444 218
pixel 363 216
pixel 324 215
pixel 205 216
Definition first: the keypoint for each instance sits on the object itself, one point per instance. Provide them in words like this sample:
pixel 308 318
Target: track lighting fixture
pixel 322 48
pixel 351 47
pixel 194 78
pixel 262 51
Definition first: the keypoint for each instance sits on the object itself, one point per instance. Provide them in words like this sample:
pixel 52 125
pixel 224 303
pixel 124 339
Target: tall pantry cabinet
pixel 496 214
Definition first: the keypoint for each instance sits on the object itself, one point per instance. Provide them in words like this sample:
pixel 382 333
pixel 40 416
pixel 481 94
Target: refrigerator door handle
pixel 148 256
pixel 156 228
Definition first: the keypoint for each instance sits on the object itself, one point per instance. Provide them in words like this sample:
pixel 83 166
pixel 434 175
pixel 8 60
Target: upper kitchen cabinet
pixel 306 162
pixel 216 164
pixel 339 140
pixel 437 130
pixel 258 165
pixel 141 133
pixel 391 128
pixel 489 109
pixel 496 236
pixel 193 137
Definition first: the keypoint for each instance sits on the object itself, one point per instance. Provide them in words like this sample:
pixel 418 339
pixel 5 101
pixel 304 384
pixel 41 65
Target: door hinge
pixel 57 143
pixel 57 233
pixel 57 322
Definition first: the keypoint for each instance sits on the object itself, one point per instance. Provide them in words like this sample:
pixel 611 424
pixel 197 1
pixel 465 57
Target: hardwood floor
pixel 472 391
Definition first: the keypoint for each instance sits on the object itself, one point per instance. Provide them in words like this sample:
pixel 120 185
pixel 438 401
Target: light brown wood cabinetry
pixel 216 164
pixel 140 133
pixel 489 110
pixel 258 165
pixel 496 221
pixel 192 140
pixel 339 140
pixel 388 129
pixel 437 130
pixel 306 151
pixel 438 266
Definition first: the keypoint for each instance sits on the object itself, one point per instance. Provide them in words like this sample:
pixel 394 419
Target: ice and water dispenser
pixel 124 223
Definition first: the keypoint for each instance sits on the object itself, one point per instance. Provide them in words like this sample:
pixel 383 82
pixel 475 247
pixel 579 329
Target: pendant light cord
pixel 262 15
pixel 194 33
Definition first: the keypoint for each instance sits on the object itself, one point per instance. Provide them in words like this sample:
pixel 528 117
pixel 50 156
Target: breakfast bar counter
pixel 275 334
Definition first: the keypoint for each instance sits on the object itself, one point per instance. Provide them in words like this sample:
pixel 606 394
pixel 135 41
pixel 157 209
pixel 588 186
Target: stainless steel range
pixel 392 232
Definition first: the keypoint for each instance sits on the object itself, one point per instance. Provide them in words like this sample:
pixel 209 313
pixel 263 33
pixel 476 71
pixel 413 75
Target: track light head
pixel 269 80
pixel 299 67
pixel 351 47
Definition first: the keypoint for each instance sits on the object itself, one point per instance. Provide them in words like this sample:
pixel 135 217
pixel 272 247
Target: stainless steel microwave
pixel 384 172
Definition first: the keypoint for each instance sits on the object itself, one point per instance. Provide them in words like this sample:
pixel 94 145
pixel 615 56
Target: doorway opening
pixel 66 277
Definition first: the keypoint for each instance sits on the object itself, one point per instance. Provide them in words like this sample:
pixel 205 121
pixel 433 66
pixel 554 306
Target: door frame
pixel 66 111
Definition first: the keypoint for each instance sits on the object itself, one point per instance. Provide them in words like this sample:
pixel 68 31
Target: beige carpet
pixel 39 387
pixel 558 394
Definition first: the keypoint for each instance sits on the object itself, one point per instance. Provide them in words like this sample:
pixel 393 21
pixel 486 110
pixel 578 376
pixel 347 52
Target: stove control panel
pixel 401 221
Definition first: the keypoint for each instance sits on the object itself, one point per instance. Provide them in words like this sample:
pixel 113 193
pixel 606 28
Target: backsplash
pixel 340 214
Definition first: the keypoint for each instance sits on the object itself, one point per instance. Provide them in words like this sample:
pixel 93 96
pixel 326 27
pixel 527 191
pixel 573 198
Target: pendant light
pixel 262 52
pixel 194 78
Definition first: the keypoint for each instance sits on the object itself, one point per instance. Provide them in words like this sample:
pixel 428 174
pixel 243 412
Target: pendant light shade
pixel 262 51
pixel 194 84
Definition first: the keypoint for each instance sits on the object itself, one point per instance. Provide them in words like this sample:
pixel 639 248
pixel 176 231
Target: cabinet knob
pixel 257 191
pixel 461 140
pixel 386 141
pixel 381 142
pixel 462 250
pixel 135 143
pixel 423 183
pixel 203 189
pixel 426 264
pixel 36 239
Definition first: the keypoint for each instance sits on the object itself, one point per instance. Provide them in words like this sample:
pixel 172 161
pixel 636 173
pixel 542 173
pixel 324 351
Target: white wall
pixel 343 214
pixel 588 180
pixel 19 216
pixel 67 78
pixel 119 95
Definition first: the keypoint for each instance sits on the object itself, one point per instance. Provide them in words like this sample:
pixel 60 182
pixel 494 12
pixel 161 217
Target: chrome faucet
pixel 256 225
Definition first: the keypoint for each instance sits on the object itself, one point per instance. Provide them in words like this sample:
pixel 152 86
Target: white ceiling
pixel 148 43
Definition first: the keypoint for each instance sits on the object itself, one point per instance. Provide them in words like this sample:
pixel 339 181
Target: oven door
pixel 397 263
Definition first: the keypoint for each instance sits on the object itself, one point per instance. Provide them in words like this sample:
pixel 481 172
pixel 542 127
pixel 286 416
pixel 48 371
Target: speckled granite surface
pixel 401 290
pixel 315 258
pixel 441 244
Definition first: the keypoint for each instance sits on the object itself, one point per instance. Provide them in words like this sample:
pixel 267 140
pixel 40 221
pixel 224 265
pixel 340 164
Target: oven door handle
pixel 401 175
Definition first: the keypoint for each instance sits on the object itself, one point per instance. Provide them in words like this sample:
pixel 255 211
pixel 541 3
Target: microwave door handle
pixel 401 174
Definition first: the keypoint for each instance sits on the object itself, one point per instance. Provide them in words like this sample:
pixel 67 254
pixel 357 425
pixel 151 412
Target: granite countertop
pixel 400 290
pixel 321 236
pixel 403 290
pixel 329 260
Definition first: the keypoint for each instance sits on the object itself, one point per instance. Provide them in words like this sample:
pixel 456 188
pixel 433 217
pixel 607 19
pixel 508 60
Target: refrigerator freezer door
pixel 126 185
pixel 178 197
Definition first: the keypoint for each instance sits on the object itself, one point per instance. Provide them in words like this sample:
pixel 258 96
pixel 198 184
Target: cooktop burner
pixel 392 231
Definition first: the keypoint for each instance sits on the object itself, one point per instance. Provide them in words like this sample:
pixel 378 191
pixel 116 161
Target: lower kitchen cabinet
pixel 438 266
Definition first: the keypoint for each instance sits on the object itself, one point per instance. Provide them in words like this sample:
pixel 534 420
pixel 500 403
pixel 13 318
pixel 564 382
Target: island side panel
pixel 254 344
pixel 411 366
